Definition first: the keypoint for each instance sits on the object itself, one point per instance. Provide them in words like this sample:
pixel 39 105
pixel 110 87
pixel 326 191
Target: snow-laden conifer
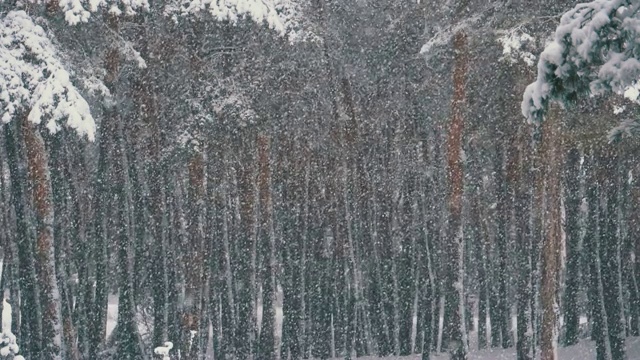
pixel 34 80
pixel 594 51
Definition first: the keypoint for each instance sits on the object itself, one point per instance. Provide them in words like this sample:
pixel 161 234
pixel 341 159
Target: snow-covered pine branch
pixel 32 78
pixel 626 128
pixel 443 37
pixel 283 16
pixel 514 47
pixel 77 11
pixel 594 51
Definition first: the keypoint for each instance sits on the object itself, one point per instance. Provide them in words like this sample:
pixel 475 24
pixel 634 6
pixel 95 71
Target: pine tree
pixel 592 52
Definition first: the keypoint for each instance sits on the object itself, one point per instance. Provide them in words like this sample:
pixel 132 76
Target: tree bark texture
pixel 454 291
pixel 42 195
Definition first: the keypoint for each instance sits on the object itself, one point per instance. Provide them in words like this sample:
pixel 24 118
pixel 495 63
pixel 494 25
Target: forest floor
pixel 585 350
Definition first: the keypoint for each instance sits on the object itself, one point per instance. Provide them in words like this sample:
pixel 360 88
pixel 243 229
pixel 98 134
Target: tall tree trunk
pixel 610 251
pixel 501 304
pixel 484 298
pixel 161 264
pixel 633 218
pixel 322 291
pixel 552 138
pixel 195 270
pixel 98 307
pixel 376 287
pixel 426 308
pixel 152 168
pixel 295 231
pixel 63 205
pixel 524 239
pixel 537 232
pixel 194 267
pixel 31 323
pixel 129 342
pixel 572 231
pixel 244 272
pixel 266 349
pixel 103 203
pixel 40 180
pixel 598 317
pixel 454 289
pixel 229 316
pixel 83 260
pixel 397 200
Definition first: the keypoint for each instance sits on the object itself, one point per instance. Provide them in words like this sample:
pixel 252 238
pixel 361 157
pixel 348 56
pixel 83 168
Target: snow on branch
pixel 32 78
pixel 626 128
pixel 514 43
pixel 443 37
pixel 594 51
pixel 283 16
pixel 77 11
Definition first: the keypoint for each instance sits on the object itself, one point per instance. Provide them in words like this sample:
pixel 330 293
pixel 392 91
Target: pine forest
pixel 320 179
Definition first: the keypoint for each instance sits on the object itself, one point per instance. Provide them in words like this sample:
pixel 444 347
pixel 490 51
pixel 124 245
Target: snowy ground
pixel 583 351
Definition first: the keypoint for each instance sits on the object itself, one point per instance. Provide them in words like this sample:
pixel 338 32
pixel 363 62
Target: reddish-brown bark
pixel 552 155
pixel 40 181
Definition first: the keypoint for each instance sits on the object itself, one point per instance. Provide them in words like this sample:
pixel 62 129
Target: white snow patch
pixel 514 47
pixel 112 313
pixel 617 110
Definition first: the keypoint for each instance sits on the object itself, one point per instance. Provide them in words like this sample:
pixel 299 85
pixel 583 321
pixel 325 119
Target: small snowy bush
pixel 164 350
pixel 8 341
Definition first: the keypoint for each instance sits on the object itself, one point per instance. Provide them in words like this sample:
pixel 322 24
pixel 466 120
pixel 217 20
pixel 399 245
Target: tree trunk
pixel 40 180
pixel 598 317
pixel 485 335
pixel 194 267
pixel 229 316
pixel 610 251
pixel 31 323
pixel 245 263
pixel 129 342
pixel 537 233
pixel 322 291
pixel 572 231
pixel 396 205
pixel 454 290
pixel 295 232
pixel 63 205
pixel 103 202
pixel 266 346
pixel 633 218
pixel 524 239
pixel 500 314
pixel 376 287
pixel 552 138
pixel 427 282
